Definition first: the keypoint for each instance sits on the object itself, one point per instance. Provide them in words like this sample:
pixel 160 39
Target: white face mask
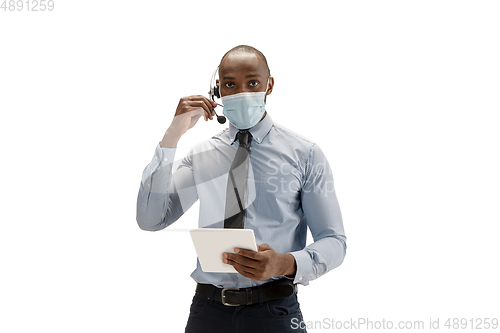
pixel 244 110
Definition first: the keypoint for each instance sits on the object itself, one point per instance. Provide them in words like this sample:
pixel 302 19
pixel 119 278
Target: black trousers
pixel 278 316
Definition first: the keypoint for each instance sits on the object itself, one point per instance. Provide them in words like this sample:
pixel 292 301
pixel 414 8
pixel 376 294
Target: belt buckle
pixel 223 297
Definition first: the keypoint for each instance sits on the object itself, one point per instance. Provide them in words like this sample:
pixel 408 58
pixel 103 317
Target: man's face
pixel 244 72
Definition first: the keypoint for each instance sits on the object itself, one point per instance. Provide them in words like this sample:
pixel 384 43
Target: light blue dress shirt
pixel 290 188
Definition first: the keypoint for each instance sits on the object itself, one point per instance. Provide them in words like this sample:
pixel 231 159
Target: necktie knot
pixel 243 138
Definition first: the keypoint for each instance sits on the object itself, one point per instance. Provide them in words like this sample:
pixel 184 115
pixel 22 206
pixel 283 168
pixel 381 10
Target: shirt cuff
pixel 162 157
pixel 165 155
pixel 304 267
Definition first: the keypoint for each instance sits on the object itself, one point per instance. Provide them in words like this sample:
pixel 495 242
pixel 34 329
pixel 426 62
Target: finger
pixel 194 113
pixel 247 253
pixel 208 103
pixel 191 112
pixel 213 105
pixel 200 104
pixel 245 274
pixel 264 246
pixel 240 267
pixel 208 107
pixel 243 260
pixel 194 119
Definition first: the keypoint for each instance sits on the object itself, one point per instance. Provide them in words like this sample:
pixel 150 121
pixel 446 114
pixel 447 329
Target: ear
pixel 270 85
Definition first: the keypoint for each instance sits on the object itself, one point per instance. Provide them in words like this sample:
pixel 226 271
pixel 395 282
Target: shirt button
pixel 165 159
pixel 156 158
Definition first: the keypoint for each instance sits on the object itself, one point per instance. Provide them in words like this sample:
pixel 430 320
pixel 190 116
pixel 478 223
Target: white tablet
pixel 210 243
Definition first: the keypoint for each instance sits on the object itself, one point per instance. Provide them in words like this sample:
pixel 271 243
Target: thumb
pixel 263 247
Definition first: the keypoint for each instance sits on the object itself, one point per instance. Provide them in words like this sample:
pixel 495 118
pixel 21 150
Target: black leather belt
pixel 247 296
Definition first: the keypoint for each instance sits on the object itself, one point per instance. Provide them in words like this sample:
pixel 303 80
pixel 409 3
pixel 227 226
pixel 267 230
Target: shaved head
pixel 247 49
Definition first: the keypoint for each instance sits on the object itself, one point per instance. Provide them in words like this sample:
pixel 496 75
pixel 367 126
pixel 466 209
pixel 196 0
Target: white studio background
pixel 403 97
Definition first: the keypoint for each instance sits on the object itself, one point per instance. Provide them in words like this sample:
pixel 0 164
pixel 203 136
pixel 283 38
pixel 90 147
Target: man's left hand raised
pixel 261 265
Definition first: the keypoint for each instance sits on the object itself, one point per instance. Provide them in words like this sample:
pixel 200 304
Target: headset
pixel 215 92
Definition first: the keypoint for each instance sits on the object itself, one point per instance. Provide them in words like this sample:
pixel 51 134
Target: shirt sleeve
pixel 323 217
pixel 163 197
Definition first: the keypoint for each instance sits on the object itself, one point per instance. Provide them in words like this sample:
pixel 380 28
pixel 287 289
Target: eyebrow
pixel 248 76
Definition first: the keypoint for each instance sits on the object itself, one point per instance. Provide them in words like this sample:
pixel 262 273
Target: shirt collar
pixel 258 132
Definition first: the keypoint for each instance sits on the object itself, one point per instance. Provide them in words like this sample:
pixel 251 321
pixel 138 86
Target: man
pixel 293 190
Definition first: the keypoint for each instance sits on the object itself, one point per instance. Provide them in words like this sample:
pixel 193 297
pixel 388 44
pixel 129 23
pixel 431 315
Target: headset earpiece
pixel 214 85
pixel 216 91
